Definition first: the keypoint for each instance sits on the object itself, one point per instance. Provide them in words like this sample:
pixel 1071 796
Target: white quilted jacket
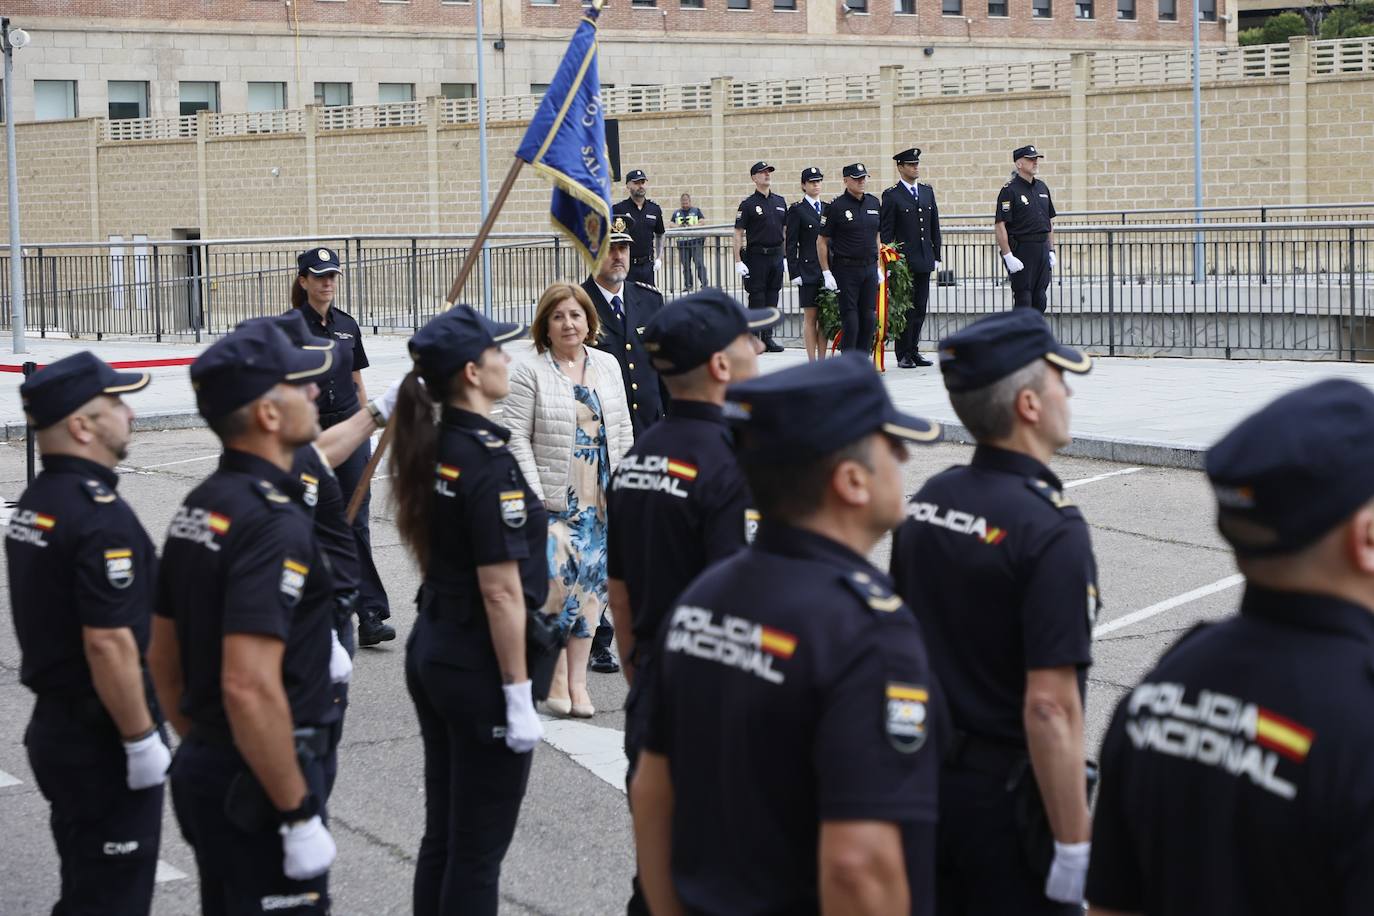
pixel 541 414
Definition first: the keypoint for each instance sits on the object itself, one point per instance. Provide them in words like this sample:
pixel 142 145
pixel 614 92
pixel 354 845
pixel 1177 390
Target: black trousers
pixel 1030 284
pixel 909 344
pixel 693 254
pixel 637 706
pixel 605 633
pixel 764 282
pixel 107 835
pixel 644 273
pixel 371 594
pixel 241 871
pixel 473 786
pixel 858 298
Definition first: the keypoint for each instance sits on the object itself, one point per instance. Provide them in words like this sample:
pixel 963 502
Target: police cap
pixel 907 155
pixel 319 261
pixel 451 340
pixel 636 175
pixel 760 166
pixel 244 365
pixel 294 326
pixel 811 174
pixel 816 409
pixel 1294 470
pixel 856 170
pixel 58 389
pixel 994 347
pixel 686 333
pixel 1026 152
pixel 621 224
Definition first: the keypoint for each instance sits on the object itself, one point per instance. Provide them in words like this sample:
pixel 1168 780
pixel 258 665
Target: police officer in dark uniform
pixel 848 252
pixel 911 218
pixel 760 224
pixel 797 658
pixel 81 574
pixel 478 533
pixel 998 566
pixel 803 227
pixel 1235 777
pixel 646 228
pixel 242 638
pixel 341 395
pixel 1025 230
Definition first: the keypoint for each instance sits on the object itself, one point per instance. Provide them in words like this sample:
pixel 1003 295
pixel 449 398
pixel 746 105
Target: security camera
pixel 1224 17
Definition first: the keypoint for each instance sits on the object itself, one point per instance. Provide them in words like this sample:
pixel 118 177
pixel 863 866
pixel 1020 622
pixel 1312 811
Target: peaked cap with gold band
pixel 992 348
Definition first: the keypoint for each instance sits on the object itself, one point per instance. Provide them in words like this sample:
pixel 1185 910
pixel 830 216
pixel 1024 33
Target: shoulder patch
pixel 650 287
pixel 1047 492
pixel 119 567
pixel 97 491
pixel 488 438
pixel 906 715
pixel 270 493
pixel 874 594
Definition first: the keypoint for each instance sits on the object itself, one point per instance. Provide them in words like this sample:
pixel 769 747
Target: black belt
pixel 763 250
pixel 643 260
pixel 308 738
pixel 1033 237
pixel 839 260
pixel 983 755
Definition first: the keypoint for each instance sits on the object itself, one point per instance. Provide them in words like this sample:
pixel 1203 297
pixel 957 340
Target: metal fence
pixel 1272 289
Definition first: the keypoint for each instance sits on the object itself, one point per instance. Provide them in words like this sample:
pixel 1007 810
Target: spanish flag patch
pixel 1283 735
pixel 447 471
pixel 219 524
pixel 682 469
pixel 776 642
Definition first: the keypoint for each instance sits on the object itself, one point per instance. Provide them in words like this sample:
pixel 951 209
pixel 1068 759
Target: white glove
pixel 340 665
pixel 882 275
pixel 742 269
pixel 1068 872
pixel 523 728
pixel 1013 263
pixel 1053 260
pixel 830 283
pixel 796 281
pixel 387 402
pixel 938 265
pixel 658 265
pixel 148 760
pixel 308 847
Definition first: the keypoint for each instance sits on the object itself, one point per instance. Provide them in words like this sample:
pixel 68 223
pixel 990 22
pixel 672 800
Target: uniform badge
pixel 293 581
pixel 119 567
pixel 619 225
pixel 1006 206
pixel 1023 199
pixel 751 525
pixel 324 254
pixel 758 211
pixel 849 214
pixel 906 716
pixel 312 489
pixel 513 508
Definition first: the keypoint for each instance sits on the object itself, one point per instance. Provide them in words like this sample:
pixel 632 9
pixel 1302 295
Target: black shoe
pixel 920 360
pixel 371 630
pixel 603 662
pixel 772 346
pixel 906 362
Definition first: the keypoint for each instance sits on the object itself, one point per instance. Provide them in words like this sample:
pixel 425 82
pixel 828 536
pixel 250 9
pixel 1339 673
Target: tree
pixel 1354 20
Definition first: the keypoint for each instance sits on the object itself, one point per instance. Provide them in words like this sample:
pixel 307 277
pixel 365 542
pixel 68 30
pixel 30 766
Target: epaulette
pixel 650 287
pixel 488 438
pixel 97 491
pixel 873 593
pixel 1046 491
pixel 270 493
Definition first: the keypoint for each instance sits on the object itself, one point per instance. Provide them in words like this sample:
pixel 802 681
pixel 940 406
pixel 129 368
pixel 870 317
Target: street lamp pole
pixel 1199 254
pixel 482 154
pixel 10 41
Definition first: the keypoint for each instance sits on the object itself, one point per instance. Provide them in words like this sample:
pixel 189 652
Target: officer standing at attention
pixel 910 218
pixel 848 252
pixel 81 575
pixel 796 655
pixel 479 534
pixel 803 228
pixel 691 249
pixel 646 228
pixel 998 566
pixel 341 395
pixel 760 224
pixel 1236 776
pixel 1024 221
pixel 242 638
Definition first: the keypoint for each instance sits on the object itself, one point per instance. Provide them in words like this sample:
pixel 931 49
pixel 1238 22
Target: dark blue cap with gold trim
pixel 452 339
pixel 686 333
pixel 621 224
pixel 297 330
pixel 58 389
pixel 994 347
pixel 244 365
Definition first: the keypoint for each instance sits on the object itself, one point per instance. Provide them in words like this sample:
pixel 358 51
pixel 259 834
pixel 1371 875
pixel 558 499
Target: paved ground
pixel 572 852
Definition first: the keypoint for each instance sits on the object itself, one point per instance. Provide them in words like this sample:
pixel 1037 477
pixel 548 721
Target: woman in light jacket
pixel 570 425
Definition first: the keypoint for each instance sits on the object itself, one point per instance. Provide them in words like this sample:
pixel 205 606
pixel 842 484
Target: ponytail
pixel 298 294
pixel 413 457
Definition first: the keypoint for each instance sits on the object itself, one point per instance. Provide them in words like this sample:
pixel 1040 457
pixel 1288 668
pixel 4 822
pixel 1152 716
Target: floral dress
pixel 577 534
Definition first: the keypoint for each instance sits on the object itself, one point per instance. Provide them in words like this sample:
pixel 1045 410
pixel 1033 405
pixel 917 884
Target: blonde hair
pixel 554 296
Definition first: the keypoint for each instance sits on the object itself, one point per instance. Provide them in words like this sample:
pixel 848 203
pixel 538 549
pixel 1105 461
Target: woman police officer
pixel 479 535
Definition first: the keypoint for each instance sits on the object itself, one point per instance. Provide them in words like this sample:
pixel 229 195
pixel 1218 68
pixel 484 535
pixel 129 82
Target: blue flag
pixel 566 142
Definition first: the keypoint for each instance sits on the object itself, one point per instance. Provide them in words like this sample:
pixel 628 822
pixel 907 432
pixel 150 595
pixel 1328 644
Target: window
pixel 645 3
pixel 1040 9
pixel 199 97
pixel 997 8
pixel 330 94
pixel 395 92
pixel 266 96
pixel 692 4
pixel 54 99
pixel 458 90
pixel 1207 10
pixel 904 7
pixel 1125 9
pixel 128 99
pixel 856 6
pixel 951 7
pixel 784 4
pixel 737 4
pixel 543 2
pixel 1168 10
pixel 539 89
pixel 1083 9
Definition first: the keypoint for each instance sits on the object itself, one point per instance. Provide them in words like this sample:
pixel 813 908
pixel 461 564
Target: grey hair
pixel 989 413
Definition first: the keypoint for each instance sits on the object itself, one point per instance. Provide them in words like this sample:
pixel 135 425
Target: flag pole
pixel 365 483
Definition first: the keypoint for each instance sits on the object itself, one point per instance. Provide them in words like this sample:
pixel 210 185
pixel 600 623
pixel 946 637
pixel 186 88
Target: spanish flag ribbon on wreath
pixel 886 255
pixel 566 142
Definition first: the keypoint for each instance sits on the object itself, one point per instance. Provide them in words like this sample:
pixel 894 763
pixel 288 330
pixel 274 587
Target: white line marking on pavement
pixel 592 747
pixel 1220 585
pixel 1083 480
pixel 6 780
pixel 167 872
pixel 168 464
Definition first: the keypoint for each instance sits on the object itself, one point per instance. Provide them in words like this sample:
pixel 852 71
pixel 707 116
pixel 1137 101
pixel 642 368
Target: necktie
pixel 914 193
pixel 616 307
pixel 817 205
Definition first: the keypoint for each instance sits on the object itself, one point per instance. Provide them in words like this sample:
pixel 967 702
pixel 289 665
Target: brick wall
pixel 244 198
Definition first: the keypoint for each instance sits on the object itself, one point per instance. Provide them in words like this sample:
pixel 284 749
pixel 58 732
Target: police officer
pixel 910 218
pixel 691 249
pixel 646 228
pixel 998 566
pixel 760 223
pixel 81 575
pixel 1024 221
pixel 478 533
pixel 341 394
pixel 243 634
pixel 797 657
pixel 1235 777
pixel 803 227
pixel 848 252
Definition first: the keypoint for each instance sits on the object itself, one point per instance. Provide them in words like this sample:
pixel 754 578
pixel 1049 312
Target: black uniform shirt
pixel 763 220
pixel 1026 207
pixel 323 499
pixel 678 503
pixel 851 226
pixel 998 567
pixel 241 557
pixel 803 226
pixel 77 557
pixel 337 391
pixel 648 222
pixel 1236 777
pixel 793 689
